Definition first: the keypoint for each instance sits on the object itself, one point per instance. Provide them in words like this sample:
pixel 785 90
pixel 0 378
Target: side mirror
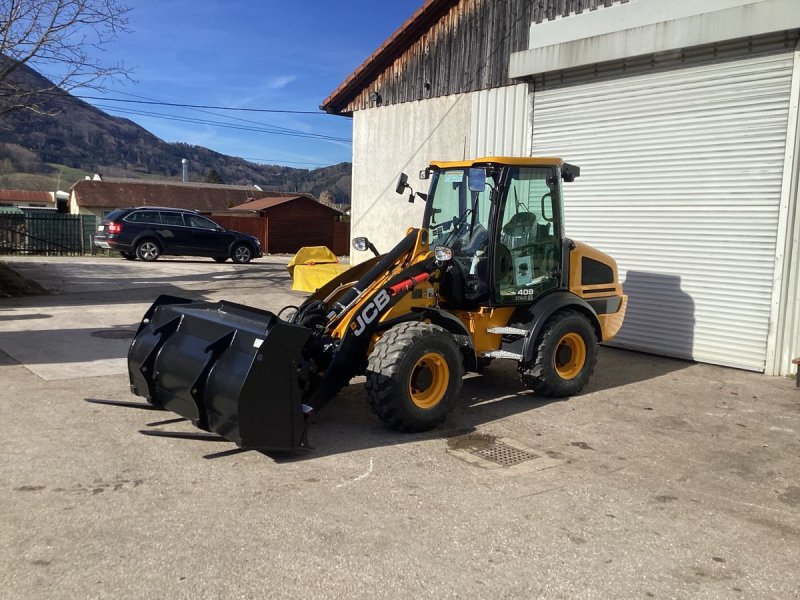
pixel 477 180
pixel 402 183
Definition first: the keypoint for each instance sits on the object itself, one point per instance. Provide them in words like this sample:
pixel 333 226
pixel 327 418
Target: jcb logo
pixel 370 312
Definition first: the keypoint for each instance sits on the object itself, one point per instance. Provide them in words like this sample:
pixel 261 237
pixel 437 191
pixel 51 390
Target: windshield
pixel 459 218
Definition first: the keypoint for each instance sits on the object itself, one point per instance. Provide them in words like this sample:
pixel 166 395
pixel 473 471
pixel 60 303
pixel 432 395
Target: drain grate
pixel 503 454
pixel 114 334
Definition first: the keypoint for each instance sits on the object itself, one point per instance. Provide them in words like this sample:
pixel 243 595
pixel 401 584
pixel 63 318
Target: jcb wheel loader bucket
pixel 228 368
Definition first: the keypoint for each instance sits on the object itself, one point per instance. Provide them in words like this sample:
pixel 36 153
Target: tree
pixel 56 37
pixel 213 177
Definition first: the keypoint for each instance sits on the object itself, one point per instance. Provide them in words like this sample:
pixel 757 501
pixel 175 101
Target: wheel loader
pixel 490 275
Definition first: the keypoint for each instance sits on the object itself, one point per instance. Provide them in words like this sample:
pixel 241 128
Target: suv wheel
pixel 241 253
pixel 148 250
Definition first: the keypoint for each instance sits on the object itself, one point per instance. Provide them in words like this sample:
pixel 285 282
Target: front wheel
pixel 565 358
pixel 414 376
pixel 241 253
pixel 148 251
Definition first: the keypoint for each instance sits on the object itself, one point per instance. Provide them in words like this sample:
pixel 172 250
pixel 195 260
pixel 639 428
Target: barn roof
pixel 204 197
pixel 271 201
pixel 408 33
pixel 25 196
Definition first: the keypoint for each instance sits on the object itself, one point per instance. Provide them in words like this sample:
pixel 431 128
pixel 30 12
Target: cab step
pixel 507 330
pixel 502 354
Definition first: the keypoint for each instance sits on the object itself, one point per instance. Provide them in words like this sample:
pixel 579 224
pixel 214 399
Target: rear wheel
pixel 241 253
pixel 128 255
pixel 414 376
pixel 148 250
pixel 566 356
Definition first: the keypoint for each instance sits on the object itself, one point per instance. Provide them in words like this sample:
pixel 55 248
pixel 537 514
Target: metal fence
pixel 46 233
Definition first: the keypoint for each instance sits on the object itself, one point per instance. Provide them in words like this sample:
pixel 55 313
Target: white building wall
pixel 393 139
pixel 500 122
pixel 785 334
pixel 407 137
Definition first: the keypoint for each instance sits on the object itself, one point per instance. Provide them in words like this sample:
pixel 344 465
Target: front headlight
pixel 443 253
pixel 361 244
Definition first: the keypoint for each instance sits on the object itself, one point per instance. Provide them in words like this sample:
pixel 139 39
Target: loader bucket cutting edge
pixel 228 368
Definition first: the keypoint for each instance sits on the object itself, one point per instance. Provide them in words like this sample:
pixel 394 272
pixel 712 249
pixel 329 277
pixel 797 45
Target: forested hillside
pixel 45 151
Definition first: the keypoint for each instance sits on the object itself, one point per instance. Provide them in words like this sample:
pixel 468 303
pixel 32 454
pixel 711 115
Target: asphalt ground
pixel 665 479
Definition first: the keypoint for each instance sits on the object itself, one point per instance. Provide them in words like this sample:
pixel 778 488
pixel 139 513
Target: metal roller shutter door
pixel 680 183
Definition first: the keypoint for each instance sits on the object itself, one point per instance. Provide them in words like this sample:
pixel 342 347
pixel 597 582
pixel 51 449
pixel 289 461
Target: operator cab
pixel 502 223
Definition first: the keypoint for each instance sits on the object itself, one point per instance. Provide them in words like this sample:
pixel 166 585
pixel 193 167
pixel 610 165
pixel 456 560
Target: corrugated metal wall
pixel 500 122
pixel 681 183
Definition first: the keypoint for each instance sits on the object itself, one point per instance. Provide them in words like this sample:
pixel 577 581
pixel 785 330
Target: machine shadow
pixel 347 424
pixel 660 314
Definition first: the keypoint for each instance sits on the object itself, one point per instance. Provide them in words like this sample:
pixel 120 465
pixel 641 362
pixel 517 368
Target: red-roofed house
pixel 27 198
pixel 99 197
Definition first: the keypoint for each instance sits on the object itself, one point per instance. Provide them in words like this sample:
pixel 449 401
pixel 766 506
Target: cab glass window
pixel 528 245
pixel 459 218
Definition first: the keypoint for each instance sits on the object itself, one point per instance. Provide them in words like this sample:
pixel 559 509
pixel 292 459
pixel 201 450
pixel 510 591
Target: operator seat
pixel 520 231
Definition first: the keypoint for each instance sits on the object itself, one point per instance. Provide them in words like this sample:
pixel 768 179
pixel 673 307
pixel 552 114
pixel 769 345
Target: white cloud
pixel 278 83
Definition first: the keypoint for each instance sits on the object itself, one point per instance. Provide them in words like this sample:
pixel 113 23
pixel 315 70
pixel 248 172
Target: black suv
pixel 149 232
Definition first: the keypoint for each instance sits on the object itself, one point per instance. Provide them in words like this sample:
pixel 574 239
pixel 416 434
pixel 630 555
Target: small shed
pixel 294 222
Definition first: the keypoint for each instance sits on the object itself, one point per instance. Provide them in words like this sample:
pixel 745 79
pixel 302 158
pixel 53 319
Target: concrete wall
pixel 645 27
pixel 407 137
pixel 400 138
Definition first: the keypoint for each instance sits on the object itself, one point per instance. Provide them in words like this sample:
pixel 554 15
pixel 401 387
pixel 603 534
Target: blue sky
pixel 249 54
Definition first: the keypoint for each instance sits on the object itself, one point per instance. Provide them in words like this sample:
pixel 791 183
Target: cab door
pixel 527 248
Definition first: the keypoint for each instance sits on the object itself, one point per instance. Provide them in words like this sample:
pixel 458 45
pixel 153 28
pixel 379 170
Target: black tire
pixel 409 355
pixel 148 250
pixel 565 358
pixel 241 254
pixel 128 255
pixel 220 259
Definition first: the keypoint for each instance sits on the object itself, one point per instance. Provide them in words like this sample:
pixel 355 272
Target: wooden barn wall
pixel 340 244
pixel 299 223
pixel 467 50
pixel 249 225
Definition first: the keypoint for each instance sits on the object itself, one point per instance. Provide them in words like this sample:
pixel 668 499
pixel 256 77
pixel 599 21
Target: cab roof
pixel 529 161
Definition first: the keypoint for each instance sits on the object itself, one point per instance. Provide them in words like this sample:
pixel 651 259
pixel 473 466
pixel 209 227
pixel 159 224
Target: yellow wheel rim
pixel 429 379
pixel 570 356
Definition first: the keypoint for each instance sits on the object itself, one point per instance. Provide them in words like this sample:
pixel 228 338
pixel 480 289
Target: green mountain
pixel 52 151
